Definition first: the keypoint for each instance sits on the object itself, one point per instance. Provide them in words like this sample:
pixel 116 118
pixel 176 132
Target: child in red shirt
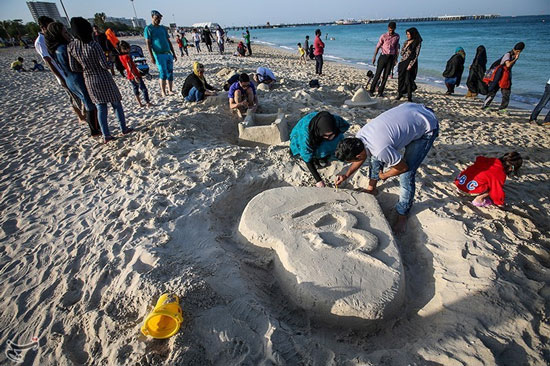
pixel 486 177
pixel 132 73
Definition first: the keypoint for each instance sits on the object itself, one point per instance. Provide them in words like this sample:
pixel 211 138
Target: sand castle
pixel 335 253
pixel 266 129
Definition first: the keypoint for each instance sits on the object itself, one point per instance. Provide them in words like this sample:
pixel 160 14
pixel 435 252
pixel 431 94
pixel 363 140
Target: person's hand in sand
pixel 242 94
pixel 340 179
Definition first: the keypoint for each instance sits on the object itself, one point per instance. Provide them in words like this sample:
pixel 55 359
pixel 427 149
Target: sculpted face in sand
pixel 335 252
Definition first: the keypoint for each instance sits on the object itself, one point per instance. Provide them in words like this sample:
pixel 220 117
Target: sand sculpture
pixel 266 129
pixel 361 99
pixel 334 252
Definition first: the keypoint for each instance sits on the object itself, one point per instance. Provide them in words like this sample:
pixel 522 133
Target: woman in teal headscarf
pixel 314 139
pixel 453 70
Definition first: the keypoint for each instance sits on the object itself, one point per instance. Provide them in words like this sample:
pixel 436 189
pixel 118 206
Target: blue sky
pixel 253 12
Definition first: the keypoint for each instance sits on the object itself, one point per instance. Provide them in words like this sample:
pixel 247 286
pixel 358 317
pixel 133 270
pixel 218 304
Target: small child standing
pixel 180 44
pixel 302 53
pixel 132 73
pixel 184 43
pixel 486 177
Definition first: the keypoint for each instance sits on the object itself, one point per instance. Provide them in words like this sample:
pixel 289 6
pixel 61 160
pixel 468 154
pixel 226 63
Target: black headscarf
pixel 82 29
pixel 481 57
pixel 54 37
pixel 322 123
pixel 415 37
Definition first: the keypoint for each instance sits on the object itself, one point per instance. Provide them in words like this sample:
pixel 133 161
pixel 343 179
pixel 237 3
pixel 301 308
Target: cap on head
pixel 156 13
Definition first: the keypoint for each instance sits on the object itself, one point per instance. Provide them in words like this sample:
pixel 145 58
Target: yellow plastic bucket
pixel 165 319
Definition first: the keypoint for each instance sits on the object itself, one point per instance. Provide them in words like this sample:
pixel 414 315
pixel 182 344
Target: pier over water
pixel 368 21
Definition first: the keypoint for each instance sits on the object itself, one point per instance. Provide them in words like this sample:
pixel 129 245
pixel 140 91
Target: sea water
pixel 355 44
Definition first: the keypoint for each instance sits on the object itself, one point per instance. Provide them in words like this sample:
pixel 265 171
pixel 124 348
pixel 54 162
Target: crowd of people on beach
pixel 319 136
pixel 395 143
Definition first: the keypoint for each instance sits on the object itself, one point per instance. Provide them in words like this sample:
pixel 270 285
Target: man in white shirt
pixel 42 50
pixel 410 126
pixel 221 42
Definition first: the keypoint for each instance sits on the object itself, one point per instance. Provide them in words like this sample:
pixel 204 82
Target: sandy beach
pixel 91 234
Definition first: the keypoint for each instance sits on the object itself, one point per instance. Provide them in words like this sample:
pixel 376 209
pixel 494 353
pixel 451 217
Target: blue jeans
pixel 543 101
pixel 415 152
pixel 140 85
pixel 102 117
pixel 75 83
pixel 194 95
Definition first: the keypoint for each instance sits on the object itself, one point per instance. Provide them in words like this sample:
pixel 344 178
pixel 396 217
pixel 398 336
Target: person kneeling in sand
pixel 195 88
pixel 242 95
pixel 17 65
pixel 241 50
pixel 264 75
pixel 314 139
pixel 410 126
pixel 486 177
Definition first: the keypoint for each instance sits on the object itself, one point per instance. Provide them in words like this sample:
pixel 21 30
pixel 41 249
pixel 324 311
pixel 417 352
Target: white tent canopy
pixel 209 24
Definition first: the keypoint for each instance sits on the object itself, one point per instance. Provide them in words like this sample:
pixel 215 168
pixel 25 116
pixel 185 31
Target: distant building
pixel 139 22
pixel 134 22
pixel 43 8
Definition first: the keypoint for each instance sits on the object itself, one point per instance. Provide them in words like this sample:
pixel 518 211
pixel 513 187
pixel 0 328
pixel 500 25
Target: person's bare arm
pixel 397 169
pixel 233 104
pixel 511 62
pixel 375 53
pixel 352 169
pixel 150 49
pixel 172 49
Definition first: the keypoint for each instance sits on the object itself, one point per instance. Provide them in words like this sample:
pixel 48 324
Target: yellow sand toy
pixel 165 319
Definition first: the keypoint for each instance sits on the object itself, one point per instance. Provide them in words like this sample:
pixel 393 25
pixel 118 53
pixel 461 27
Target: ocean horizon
pixel 355 44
